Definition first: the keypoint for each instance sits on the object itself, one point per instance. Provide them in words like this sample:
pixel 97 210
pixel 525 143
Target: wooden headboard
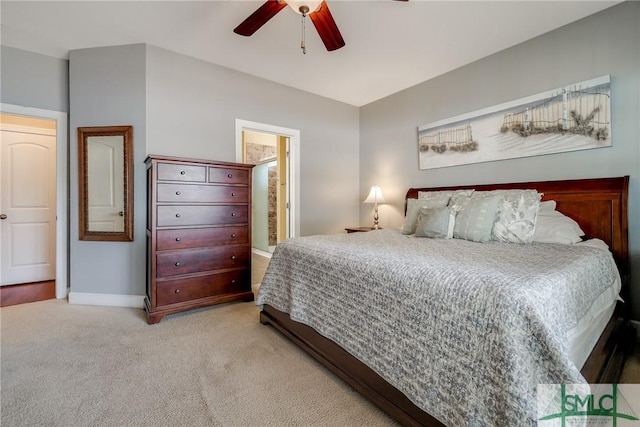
pixel 599 205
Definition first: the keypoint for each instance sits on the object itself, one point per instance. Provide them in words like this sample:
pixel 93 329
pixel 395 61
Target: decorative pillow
pixel 414 205
pixel 436 222
pixel 555 227
pixel 475 217
pixel 516 218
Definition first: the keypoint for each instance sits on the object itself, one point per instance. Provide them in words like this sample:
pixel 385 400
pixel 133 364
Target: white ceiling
pixel 390 45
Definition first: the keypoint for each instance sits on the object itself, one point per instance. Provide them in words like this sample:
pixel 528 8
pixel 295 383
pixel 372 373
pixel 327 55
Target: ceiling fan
pixel 316 10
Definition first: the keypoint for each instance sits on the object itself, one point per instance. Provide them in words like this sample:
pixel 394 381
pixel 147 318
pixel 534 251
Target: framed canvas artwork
pixel 574 117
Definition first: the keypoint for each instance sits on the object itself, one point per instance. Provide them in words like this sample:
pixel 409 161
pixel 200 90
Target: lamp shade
pixel 375 195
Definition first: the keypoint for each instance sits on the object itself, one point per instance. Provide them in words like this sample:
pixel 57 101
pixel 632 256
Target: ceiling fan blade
pixel 326 27
pixel 260 17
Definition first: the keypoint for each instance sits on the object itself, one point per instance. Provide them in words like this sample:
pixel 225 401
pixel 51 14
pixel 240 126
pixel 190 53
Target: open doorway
pixel 269 199
pixel 274 196
pixel 33 204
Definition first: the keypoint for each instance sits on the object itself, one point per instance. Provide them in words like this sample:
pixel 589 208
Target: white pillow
pixel 547 205
pixel 436 223
pixel 476 216
pixel 414 206
pixel 554 227
pixel 516 217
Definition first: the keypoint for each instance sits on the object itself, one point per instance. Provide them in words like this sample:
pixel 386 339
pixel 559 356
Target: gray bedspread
pixel 465 330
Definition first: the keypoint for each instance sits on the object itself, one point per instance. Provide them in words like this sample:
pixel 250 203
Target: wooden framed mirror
pixel 105 159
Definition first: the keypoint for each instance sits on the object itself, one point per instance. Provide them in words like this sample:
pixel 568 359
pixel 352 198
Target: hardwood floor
pixel 27 292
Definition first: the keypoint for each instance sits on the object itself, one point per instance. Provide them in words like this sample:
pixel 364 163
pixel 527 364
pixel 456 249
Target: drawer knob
pixel 178 239
pixel 233 257
pixel 229 175
pixel 177 215
pixel 177 193
pixel 233 236
pixel 182 172
pixel 177 264
pixel 233 280
pixel 233 214
pixel 177 291
pixel 233 194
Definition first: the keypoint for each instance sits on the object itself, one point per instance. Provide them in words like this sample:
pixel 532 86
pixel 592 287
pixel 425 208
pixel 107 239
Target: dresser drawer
pixel 202 193
pixel 229 176
pixel 200 237
pixel 180 290
pixel 171 216
pixel 178 172
pixel 172 263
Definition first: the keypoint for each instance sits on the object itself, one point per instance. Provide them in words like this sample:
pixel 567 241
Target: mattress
pixel 583 337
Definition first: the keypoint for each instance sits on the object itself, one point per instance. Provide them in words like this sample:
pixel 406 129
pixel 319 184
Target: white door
pixel 27 207
pixel 106 183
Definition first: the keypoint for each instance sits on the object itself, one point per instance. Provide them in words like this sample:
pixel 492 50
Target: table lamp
pixel 375 196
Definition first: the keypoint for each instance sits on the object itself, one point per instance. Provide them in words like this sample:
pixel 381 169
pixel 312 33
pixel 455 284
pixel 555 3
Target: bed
pixel 435 355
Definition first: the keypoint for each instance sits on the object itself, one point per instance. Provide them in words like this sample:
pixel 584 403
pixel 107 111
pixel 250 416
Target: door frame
pixel 62 222
pixel 294 160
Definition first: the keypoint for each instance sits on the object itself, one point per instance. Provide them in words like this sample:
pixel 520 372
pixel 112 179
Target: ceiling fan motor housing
pixel 304 7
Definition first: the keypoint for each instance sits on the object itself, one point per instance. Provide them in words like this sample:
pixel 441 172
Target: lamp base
pixel 375 219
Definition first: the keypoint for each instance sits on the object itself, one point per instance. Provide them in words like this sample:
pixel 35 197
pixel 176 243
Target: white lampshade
pixel 375 195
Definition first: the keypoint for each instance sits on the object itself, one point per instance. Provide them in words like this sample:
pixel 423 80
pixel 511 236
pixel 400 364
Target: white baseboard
pixel 261 252
pixel 112 300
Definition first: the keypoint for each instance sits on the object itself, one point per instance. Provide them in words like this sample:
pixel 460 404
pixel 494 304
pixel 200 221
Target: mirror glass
pixel 106 183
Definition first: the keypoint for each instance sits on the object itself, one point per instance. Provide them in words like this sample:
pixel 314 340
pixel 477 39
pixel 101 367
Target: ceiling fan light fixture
pixel 317 11
pixel 304 7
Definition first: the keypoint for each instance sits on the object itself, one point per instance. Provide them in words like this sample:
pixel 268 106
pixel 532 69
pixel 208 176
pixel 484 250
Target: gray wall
pixel 185 107
pixel 605 43
pixel 32 80
pixel 107 88
pixel 192 106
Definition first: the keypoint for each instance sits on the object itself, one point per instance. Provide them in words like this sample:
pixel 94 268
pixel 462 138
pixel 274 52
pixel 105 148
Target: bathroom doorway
pixel 270 190
pixel 273 151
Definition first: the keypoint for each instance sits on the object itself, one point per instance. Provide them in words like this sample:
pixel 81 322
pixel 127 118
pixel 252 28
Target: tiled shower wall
pixel 258 153
pixel 273 205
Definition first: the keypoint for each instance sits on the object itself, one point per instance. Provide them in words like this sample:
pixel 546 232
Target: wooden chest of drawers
pixel 198 234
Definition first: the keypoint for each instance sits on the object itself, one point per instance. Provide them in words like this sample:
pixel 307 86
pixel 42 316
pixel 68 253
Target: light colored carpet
pixel 72 365
pixel 258 267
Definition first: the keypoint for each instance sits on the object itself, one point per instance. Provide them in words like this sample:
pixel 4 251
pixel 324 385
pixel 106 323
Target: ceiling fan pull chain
pixel 302 44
